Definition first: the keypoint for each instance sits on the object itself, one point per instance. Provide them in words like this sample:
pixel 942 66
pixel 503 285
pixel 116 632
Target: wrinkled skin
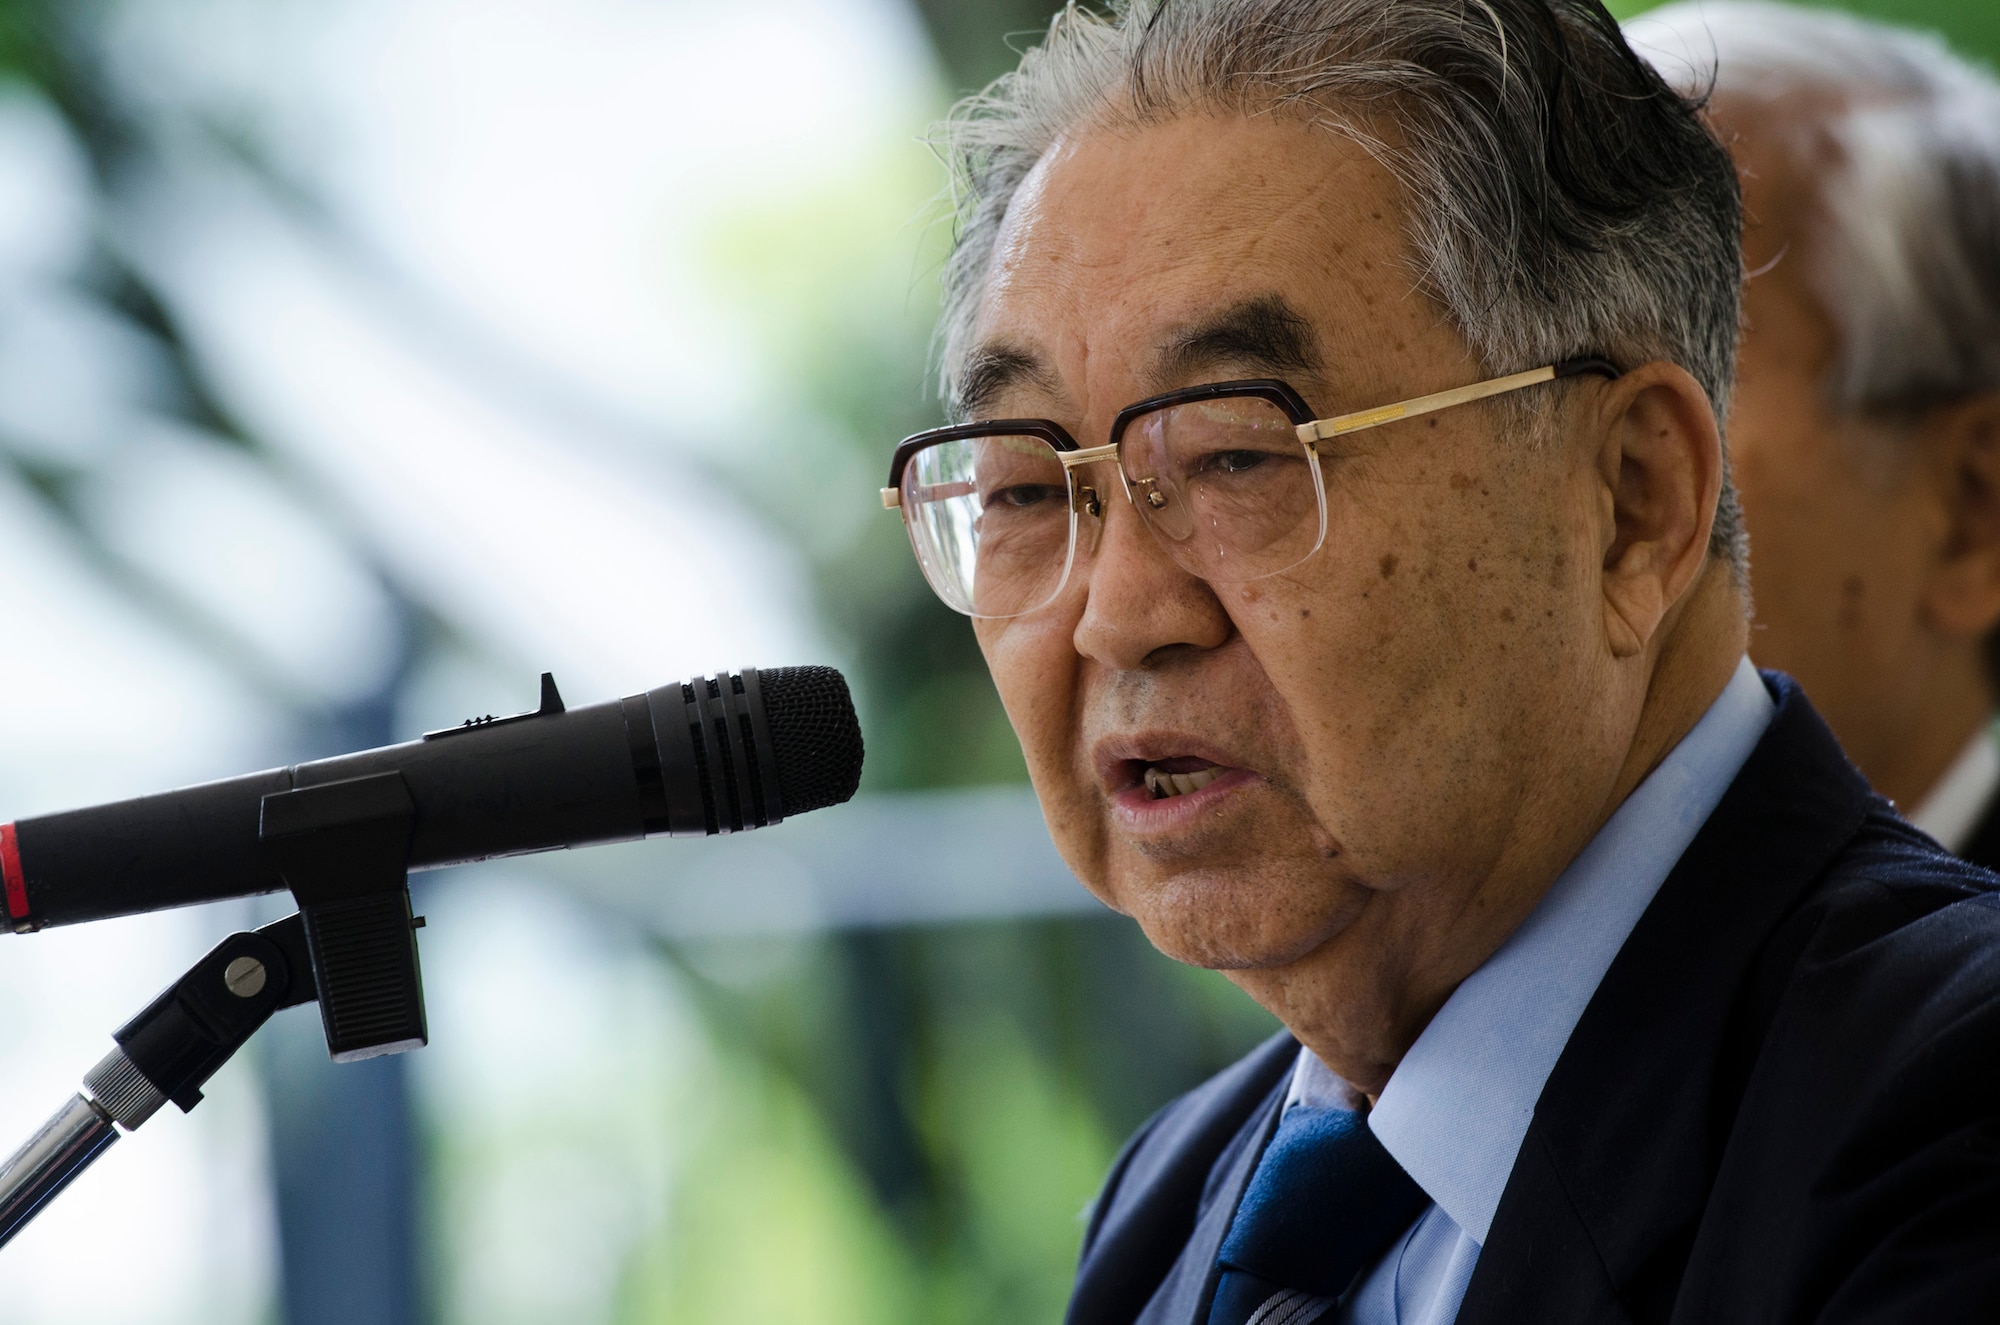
pixel 1420 726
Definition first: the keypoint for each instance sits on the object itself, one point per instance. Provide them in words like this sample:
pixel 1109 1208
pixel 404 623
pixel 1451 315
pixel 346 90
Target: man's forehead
pixel 1199 242
pixel 1262 335
pixel 1176 201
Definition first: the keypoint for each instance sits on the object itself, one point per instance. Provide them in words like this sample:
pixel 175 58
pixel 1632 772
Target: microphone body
pixel 715 755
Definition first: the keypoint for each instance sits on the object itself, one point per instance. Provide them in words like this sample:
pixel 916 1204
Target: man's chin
pixel 1241 922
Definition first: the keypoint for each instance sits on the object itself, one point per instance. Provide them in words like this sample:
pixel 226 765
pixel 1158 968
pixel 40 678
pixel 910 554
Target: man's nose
pixel 1138 601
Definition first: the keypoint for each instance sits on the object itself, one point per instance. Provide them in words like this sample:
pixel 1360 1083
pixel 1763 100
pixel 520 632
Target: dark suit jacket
pixel 1782 1104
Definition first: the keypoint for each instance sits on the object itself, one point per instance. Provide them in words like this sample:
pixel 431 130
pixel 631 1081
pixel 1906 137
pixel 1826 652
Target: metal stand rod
pixel 78 1133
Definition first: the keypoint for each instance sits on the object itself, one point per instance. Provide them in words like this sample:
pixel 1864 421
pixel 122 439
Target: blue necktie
pixel 1326 1199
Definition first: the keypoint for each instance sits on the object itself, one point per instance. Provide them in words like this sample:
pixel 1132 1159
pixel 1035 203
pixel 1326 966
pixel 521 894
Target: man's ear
pixel 1961 599
pixel 1660 463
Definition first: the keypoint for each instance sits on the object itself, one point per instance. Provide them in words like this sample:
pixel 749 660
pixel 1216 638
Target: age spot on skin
pixel 1461 482
pixel 1388 563
pixel 1507 615
pixel 1472 564
pixel 1852 589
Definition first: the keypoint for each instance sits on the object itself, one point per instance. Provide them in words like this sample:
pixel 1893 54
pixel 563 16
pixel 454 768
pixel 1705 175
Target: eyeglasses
pixel 1227 477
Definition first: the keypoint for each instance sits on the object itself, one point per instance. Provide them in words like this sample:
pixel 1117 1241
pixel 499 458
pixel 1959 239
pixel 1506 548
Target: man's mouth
pixel 1178 777
pixel 1164 784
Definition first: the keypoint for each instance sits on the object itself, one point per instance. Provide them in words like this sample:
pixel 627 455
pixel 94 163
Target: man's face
pixel 1390 726
pixel 1843 525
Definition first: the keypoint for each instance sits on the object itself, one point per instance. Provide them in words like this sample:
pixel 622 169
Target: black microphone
pixel 719 754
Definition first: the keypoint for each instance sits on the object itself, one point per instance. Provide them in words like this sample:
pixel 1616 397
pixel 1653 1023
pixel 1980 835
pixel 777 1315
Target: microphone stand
pixel 343 850
pixel 167 1052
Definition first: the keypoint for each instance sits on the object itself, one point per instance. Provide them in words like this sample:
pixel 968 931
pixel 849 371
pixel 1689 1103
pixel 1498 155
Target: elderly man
pixel 1866 421
pixel 1339 497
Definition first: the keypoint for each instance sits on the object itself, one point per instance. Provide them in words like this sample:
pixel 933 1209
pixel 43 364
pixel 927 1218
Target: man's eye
pixel 1024 494
pixel 1233 462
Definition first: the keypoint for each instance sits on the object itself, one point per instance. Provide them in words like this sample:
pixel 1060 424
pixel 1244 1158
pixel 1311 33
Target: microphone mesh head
pixel 815 736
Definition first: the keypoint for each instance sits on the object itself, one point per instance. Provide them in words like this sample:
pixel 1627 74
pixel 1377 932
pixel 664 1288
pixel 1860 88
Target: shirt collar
pixel 1951 810
pixel 1459 1103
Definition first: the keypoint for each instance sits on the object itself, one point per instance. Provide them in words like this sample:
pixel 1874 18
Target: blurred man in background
pixel 1865 429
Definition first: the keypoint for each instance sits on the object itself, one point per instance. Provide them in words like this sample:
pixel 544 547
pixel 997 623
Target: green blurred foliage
pixel 979 40
pixel 839 287
pixel 1972 26
pixel 940 1103
pixel 771 1224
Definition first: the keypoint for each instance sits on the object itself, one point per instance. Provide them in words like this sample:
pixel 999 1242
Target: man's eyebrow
pixel 1265 334
pixel 991 370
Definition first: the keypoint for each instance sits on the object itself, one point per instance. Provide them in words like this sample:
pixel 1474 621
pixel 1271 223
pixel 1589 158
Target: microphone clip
pixel 343 848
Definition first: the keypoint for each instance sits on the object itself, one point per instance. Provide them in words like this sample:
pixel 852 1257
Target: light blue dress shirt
pixel 1457 1107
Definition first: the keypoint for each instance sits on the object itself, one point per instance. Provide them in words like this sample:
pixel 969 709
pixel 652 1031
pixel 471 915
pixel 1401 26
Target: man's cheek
pixel 1033 668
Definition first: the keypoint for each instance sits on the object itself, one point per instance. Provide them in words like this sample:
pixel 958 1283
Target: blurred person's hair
pixel 1899 140
pixel 1563 199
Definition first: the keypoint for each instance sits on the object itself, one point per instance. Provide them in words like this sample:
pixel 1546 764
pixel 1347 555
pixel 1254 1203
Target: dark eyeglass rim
pixel 1281 394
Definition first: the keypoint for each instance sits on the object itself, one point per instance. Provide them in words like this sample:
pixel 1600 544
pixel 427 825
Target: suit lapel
pixel 1166 1180
pixel 1183 1297
pixel 1615 1170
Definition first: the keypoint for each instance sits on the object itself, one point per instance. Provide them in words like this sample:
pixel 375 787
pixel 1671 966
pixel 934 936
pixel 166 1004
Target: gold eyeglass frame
pixel 1310 432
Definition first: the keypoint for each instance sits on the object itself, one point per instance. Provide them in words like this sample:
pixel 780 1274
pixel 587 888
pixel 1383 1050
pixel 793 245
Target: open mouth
pixel 1162 783
pixel 1178 777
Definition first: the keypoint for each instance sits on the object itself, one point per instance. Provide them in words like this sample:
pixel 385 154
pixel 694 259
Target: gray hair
pixel 1905 258
pixel 1566 200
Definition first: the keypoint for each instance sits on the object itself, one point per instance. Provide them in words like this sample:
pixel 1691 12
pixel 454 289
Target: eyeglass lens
pixel 1225 485
pixel 990 520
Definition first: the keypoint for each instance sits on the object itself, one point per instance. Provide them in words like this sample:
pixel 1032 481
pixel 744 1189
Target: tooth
pixel 1202 778
pixel 1183 784
pixel 1153 777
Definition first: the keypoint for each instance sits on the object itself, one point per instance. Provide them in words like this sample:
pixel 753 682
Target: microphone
pixel 720 754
